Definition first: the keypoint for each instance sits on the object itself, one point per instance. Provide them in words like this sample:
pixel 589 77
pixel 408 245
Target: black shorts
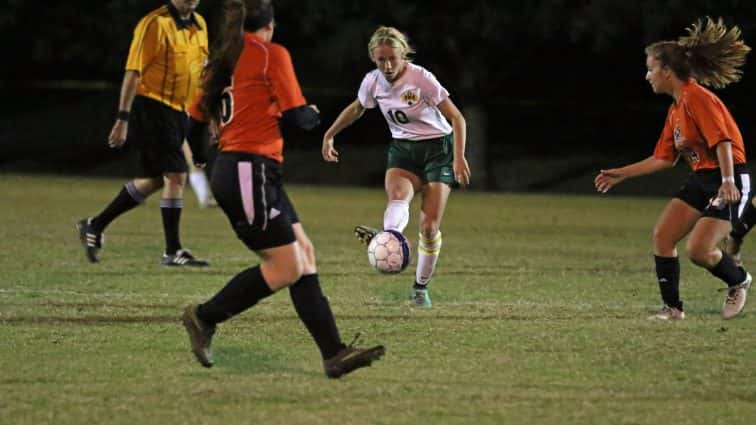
pixel 157 132
pixel 702 187
pixel 248 188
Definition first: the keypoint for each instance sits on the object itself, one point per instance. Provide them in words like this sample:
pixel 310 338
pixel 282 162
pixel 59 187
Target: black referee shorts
pixel 702 186
pixel 157 132
pixel 248 188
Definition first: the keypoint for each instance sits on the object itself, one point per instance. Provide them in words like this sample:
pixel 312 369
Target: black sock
pixel 128 198
pixel 728 271
pixel 744 223
pixel 668 276
pixel 315 312
pixel 171 212
pixel 242 292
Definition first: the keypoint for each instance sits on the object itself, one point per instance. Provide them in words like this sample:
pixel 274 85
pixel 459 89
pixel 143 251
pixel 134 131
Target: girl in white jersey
pixel 427 154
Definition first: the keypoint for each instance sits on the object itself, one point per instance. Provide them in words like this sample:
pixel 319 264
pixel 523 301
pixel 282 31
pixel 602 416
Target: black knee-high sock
pixel 242 292
pixel 315 312
pixel 170 209
pixel 668 276
pixel 728 271
pixel 745 222
pixel 128 198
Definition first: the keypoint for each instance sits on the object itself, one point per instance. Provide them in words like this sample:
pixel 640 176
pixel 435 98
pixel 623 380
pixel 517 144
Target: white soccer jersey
pixel 410 104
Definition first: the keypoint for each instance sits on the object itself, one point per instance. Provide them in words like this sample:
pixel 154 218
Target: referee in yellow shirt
pixel 168 52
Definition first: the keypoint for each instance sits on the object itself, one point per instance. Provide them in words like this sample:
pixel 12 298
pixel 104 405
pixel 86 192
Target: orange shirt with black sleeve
pixel 169 53
pixel 263 86
pixel 695 124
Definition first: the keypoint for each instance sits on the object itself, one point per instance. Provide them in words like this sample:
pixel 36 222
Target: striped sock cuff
pixel 136 195
pixel 171 203
pixel 430 246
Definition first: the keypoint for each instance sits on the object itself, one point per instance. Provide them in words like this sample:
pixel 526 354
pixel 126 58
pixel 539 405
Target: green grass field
pixel 540 306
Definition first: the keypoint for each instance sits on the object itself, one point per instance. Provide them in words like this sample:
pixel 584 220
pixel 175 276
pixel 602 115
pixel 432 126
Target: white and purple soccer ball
pixel 389 252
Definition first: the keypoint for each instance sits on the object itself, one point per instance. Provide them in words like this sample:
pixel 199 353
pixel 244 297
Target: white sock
pixel 200 185
pixel 396 216
pixel 427 257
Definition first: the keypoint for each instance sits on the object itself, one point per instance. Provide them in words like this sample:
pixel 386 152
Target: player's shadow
pixel 254 361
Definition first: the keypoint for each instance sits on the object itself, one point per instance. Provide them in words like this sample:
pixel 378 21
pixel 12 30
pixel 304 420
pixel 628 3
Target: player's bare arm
pixel 118 134
pixel 606 179
pixel 728 191
pixel 459 127
pixel 347 117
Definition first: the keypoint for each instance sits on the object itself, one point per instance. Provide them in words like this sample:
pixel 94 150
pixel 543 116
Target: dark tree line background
pixel 552 89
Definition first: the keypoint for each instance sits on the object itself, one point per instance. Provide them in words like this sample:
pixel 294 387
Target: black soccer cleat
pixel 200 335
pixel 90 239
pixel 365 234
pixel 351 358
pixel 182 257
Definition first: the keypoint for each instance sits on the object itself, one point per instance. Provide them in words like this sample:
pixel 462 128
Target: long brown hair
pixel 227 47
pixel 710 53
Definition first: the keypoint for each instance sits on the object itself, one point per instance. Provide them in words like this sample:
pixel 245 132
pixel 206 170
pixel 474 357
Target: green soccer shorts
pixel 431 160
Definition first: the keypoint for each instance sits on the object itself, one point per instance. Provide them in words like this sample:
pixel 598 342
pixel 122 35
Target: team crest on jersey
pixel 687 153
pixel 410 97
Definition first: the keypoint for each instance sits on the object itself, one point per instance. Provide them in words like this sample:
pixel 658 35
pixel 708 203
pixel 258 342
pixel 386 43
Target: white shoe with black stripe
pixel 183 257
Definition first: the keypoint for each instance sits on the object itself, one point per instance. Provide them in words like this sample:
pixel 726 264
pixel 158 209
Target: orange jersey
pixel 693 128
pixel 262 87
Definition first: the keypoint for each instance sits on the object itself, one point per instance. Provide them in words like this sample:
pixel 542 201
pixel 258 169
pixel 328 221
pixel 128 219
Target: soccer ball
pixel 389 252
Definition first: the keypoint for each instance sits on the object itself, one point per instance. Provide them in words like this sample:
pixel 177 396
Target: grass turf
pixel 540 306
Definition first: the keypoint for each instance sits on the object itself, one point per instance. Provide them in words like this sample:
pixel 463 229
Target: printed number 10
pixel 398 117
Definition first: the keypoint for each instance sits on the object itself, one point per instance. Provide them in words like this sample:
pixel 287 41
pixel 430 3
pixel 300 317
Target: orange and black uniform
pixel 169 53
pixel 694 126
pixel 246 181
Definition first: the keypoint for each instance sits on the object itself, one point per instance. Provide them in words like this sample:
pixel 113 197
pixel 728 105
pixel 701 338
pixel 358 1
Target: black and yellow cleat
pixel 351 358
pixel 365 234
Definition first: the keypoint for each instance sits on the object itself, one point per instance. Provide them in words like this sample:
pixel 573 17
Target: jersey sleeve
pixel 285 87
pixel 665 146
pixel 709 118
pixel 366 95
pixel 145 46
pixel 431 90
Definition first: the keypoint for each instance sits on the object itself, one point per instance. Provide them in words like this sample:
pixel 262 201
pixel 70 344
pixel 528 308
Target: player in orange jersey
pixel 699 129
pixel 251 88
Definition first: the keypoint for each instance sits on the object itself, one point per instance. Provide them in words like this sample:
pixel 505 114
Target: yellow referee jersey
pixel 169 53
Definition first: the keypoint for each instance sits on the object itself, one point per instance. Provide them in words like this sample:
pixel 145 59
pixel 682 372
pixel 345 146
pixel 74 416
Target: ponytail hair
pixel 710 53
pixel 238 16
pixel 223 56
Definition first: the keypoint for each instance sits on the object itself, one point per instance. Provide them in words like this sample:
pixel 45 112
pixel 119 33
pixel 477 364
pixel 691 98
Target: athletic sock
pixel 170 209
pixel 313 309
pixel 668 276
pixel 744 223
pixel 200 185
pixel 428 250
pixel 128 198
pixel 242 292
pixel 396 216
pixel 728 271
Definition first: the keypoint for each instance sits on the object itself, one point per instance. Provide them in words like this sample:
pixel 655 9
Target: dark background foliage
pixel 539 80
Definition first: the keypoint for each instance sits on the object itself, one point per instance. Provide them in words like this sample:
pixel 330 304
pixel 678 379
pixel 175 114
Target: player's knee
pixel 308 254
pixel 429 228
pixel 662 242
pixel 175 179
pixel 281 275
pixel 699 255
